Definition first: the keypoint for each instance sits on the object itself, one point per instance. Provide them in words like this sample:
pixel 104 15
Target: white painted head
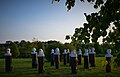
pixel 73 53
pixel 86 52
pixel 108 53
pixel 41 53
pixel 79 52
pixel 34 49
pixel 89 50
pixel 8 50
pixel 65 51
pixel 93 49
pixel 68 51
pixel 52 51
pixel 57 51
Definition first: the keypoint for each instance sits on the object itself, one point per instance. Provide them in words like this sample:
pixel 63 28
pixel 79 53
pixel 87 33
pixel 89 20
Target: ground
pixel 23 68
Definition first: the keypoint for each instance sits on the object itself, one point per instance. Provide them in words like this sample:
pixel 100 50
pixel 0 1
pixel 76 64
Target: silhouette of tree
pixel 14 50
pixel 105 23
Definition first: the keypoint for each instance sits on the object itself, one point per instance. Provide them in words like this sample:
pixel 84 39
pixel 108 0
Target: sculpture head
pixel 65 51
pixel 68 51
pixel 109 51
pixel 73 53
pixel 8 50
pixel 93 49
pixel 33 49
pixel 41 53
pixel 79 51
pixel 57 51
pixel 52 51
pixel 86 52
pixel 89 50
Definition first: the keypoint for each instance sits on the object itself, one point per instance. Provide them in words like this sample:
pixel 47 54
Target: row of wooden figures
pixel 72 58
pixel 67 56
pixel 75 59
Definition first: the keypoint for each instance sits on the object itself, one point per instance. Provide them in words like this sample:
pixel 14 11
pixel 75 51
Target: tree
pixel 23 43
pixel 15 50
pixel 98 23
pixel 68 46
pixel 67 37
pixel 53 45
pixel 2 50
pixel 40 45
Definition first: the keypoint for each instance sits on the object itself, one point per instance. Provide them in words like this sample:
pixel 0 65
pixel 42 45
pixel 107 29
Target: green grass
pixel 22 68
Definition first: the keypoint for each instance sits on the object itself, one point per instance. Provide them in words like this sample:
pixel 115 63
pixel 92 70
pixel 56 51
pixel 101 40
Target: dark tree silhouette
pixel 98 23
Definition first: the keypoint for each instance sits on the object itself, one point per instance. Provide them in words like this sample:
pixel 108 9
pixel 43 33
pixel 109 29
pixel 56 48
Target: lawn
pixel 22 68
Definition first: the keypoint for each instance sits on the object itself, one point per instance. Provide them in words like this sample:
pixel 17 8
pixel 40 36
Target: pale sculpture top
pixel 33 51
pixel 89 51
pixel 41 53
pixel 79 52
pixel 57 51
pixel 68 51
pixel 86 52
pixel 93 51
pixel 8 52
pixel 52 51
pixel 65 51
pixel 108 53
pixel 73 53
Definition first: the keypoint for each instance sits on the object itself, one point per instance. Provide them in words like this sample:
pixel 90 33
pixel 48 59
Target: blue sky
pixel 25 19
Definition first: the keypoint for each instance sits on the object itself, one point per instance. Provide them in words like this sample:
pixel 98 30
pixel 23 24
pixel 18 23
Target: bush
pixel 24 54
pixel 100 55
pixel 117 60
pixel 2 54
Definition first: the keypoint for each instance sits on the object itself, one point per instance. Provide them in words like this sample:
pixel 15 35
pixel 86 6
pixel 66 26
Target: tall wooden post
pixel 8 61
pixel 108 59
pixel 52 57
pixel 68 56
pixel 89 52
pixel 86 65
pixel 34 58
pixel 93 57
pixel 79 57
pixel 57 58
pixel 64 57
pixel 41 61
pixel 73 62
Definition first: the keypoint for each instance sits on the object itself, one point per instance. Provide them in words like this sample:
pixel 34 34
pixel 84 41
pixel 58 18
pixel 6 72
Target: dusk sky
pixel 25 19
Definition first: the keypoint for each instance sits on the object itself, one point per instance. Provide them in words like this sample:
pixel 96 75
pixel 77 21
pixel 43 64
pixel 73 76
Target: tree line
pixel 23 48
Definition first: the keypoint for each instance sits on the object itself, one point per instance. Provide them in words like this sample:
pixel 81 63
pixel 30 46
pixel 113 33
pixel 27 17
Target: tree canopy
pixel 14 50
pixel 99 23
pixel 104 23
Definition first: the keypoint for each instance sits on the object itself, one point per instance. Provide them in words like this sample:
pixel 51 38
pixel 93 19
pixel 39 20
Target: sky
pixel 40 19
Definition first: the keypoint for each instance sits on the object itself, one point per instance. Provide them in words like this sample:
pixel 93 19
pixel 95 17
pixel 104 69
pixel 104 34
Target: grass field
pixel 22 68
